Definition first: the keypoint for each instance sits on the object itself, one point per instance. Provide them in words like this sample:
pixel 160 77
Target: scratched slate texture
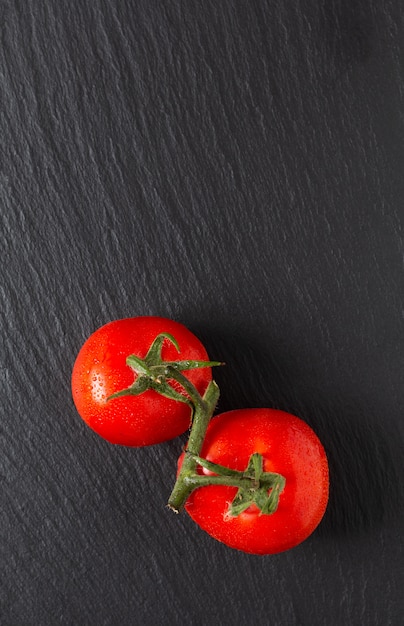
pixel 237 166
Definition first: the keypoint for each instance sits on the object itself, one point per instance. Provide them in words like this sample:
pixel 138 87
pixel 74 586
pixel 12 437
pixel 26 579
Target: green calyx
pixel 254 485
pixel 153 372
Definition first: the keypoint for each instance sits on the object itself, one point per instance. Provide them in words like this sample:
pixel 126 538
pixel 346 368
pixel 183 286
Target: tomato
pixel 100 371
pixel 288 447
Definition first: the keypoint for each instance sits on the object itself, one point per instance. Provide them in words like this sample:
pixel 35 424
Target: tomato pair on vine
pixel 254 479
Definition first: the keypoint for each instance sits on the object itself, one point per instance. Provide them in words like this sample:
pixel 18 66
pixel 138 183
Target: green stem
pixel 253 484
pixel 191 390
pixel 203 411
pixel 239 481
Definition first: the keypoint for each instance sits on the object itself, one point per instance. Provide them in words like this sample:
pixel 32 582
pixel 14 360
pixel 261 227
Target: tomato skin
pixel 289 447
pixel 100 370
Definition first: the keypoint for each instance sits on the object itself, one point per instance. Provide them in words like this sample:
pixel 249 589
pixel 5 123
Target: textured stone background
pixel 237 166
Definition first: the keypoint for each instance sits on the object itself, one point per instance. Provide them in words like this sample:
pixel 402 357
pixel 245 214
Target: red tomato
pixel 289 447
pixel 100 370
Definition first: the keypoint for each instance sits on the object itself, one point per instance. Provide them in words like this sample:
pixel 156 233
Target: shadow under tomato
pixel 364 459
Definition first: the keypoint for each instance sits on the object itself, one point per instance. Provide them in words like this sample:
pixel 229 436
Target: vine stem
pixel 254 485
pixel 203 410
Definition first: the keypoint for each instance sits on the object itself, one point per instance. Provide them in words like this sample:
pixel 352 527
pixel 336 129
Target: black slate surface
pixel 238 167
